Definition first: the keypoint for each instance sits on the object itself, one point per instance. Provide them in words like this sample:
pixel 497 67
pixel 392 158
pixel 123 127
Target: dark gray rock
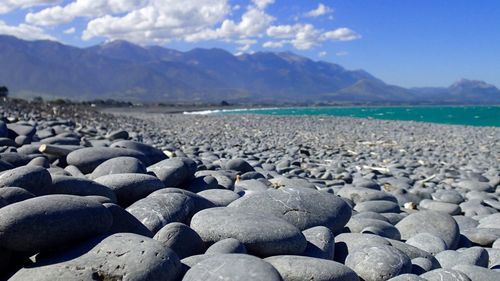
pixel 119 165
pixel 40 162
pixel 239 165
pixel 174 172
pixel 32 178
pixel 439 224
pixel 263 234
pixel 427 242
pixel 158 210
pixel 153 154
pixel 130 187
pixel 442 274
pixel 377 263
pixel 232 267
pixel 202 183
pixel 117 134
pixel 16 159
pixel 373 226
pixel 346 243
pixel 51 221
pixel 20 130
pixel 181 239
pixel 471 256
pixel 422 265
pixel 227 246
pixel 302 207
pixel 477 273
pixel 320 243
pixel 87 159
pixel 482 236
pixel 449 208
pixel 219 197
pixel 361 194
pixel 79 186
pixel 377 206
pixel 407 277
pixel 472 185
pixel 15 194
pixel 299 268
pixel 121 256
pixel 123 221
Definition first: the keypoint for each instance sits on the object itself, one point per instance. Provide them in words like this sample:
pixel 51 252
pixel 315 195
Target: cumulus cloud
pixel 262 4
pixel 70 30
pixel 306 36
pixel 322 54
pixel 81 8
pixel 342 53
pixel 11 5
pixel 319 11
pixel 24 31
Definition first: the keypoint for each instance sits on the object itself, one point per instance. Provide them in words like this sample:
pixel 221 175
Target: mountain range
pixel 125 71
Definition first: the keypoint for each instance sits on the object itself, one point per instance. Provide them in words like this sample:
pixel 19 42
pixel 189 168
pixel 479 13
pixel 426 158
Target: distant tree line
pixel 4 92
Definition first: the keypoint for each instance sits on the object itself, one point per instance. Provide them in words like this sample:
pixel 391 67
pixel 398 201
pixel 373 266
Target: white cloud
pixel 341 34
pixel 274 44
pixel 24 31
pixel 322 54
pixel 319 11
pixel 11 5
pixel 262 4
pixel 342 54
pixel 81 8
pixel 69 30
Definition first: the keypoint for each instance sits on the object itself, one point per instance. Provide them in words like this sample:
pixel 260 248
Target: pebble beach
pixel 86 195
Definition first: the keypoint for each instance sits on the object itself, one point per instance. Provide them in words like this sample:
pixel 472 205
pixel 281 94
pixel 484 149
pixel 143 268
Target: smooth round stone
pixel 422 265
pixel 232 267
pixel 411 251
pixel 302 207
pixel 361 194
pixel 263 234
pixel 299 268
pixel 227 246
pixel 442 274
pixel 202 183
pixel 427 242
pixel 248 187
pixel 394 218
pixel 79 186
pixel 370 215
pixel 219 197
pixel 121 256
pixel 493 258
pixel 377 206
pixel 465 222
pixel 407 277
pixel 448 196
pixel 283 182
pixel 40 162
pixel 199 202
pixel 21 130
pixel 475 272
pixel 119 165
pixel 239 165
pixel 449 208
pixel 496 244
pixel 52 221
pixel 320 243
pixel 377 263
pixel 482 236
pixel 472 256
pixel 17 159
pixel 174 172
pixel 439 224
pixel 158 210
pixel 32 178
pixel 153 154
pixel 181 239
pixel 222 180
pixel 490 221
pixel 475 186
pixel 15 194
pixel 373 226
pixel 130 187
pixel 87 159
pixel 346 243
pixel 117 134
pixel 123 221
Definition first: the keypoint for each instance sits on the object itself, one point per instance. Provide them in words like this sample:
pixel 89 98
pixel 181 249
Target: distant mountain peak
pixel 467 83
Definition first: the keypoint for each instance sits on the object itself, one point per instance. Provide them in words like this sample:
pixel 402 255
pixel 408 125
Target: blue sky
pixel 403 42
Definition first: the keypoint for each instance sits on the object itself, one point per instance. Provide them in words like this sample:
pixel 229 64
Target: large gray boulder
pixel 32 178
pixel 87 159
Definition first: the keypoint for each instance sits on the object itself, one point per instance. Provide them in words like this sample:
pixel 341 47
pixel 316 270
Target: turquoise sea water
pixel 461 115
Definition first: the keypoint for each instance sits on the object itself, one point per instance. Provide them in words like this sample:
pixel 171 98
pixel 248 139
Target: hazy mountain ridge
pixel 122 70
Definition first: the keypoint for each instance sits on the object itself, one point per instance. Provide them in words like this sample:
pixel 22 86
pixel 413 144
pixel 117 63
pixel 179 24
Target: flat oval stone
pixel 119 165
pixel 130 187
pixel 449 208
pixel 232 267
pixel 298 268
pixel 373 226
pixel 346 243
pixel 448 196
pixel 442 274
pixel 181 239
pixel 361 194
pixel 475 272
pixel 174 172
pixel 475 185
pixel 302 207
pixel 121 256
pixel 153 154
pixel 427 242
pixel 490 221
pixel 158 210
pixel 13 194
pixel 50 221
pixel 87 159
pixel 407 277
pixel 377 206
pixel 79 186
pixel 32 178
pixel 263 234
pixel 220 197
pixel 378 263
pixel 440 224
pixel 239 165
pixel 227 246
